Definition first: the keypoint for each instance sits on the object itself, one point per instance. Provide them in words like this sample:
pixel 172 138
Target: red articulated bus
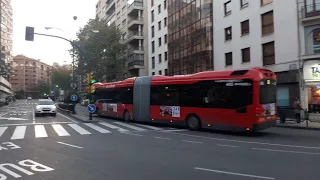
pixel 233 100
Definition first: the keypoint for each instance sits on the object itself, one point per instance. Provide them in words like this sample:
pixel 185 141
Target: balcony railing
pixel 131 50
pixel 135 33
pixel 310 10
pixel 136 63
pixel 135 19
pixel 135 4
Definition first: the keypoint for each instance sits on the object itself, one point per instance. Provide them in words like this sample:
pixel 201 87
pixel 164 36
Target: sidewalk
pixel 82 114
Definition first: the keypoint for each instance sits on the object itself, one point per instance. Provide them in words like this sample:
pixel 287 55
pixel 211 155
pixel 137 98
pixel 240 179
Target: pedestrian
pixel 297 108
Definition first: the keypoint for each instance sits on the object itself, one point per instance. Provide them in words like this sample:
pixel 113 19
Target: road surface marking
pixel 33 116
pixel 19 132
pixel 79 129
pixel 113 127
pixel 225 145
pixel 196 142
pixel 174 130
pixel 247 142
pixel 40 131
pixel 34 124
pixel 68 118
pixel 236 174
pixel 150 127
pixel 70 145
pixel 130 126
pixel 60 130
pixel 2 129
pixel 97 128
pixel 296 152
pixel 128 133
pixel 162 138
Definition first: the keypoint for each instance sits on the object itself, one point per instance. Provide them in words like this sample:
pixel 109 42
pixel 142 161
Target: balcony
pixel 310 13
pixel 135 7
pixel 134 36
pixel 133 23
pixel 135 61
pixel 136 50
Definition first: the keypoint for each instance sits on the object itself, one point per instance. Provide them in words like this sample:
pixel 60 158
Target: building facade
pixel 27 73
pixel 6 47
pixel 259 33
pixel 158 37
pixel 130 18
pixel 190 31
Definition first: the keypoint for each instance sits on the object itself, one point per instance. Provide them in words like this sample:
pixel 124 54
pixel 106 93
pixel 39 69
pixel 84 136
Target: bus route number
pixel 175 111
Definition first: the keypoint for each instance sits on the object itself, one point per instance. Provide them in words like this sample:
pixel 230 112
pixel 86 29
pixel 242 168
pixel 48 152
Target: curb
pixel 294 127
pixel 69 113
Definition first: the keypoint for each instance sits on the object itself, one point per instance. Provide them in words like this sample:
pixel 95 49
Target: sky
pixel 49 13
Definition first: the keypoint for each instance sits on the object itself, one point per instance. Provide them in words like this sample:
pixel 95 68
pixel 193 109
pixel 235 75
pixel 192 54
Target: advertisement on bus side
pixel 171 111
pixel 109 107
pixel 269 109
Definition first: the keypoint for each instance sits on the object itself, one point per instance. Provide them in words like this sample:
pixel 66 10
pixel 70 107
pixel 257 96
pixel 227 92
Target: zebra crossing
pixel 19 132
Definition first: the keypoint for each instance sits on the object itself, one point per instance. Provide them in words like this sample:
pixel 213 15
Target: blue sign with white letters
pixel 91 108
pixel 74 97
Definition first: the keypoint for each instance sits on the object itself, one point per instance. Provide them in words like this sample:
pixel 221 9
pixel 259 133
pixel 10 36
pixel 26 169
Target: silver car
pixel 46 106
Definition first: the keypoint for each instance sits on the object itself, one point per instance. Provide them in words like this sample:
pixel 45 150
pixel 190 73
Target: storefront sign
pixel 311 70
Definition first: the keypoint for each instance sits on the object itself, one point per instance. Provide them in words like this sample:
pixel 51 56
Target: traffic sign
pixel 74 97
pixel 91 108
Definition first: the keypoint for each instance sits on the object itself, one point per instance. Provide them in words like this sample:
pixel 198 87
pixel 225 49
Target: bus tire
pixel 193 122
pixel 99 113
pixel 126 116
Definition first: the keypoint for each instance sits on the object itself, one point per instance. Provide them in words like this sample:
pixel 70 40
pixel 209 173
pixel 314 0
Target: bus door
pixel 268 98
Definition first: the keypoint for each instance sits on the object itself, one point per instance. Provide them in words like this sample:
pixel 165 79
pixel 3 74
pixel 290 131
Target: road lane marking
pixel 162 138
pixel 19 132
pixel 236 174
pixel 70 145
pixel 74 121
pixel 40 131
pixel 97 128
pixel 60 130
pixel 79 129
pixel 2 130
pixel 34 124
pixel 247 142
pixel 33 116
pixel 225 145
pixel 284 151
pixel 174 130
pixel 130 126
pixel 150 127
pixel 113 126
pixel 129 133
pixel 196 142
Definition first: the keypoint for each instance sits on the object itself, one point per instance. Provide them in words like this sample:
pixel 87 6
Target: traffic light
pixel 29 33
pixel 91 78
pixel 57 86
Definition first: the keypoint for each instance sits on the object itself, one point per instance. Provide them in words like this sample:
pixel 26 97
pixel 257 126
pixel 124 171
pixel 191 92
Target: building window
pixel 153 73
pixel 264 2
pixel 165 21
pixel 160 72
pixel 166 72
pixel 268 53
pixel 153 63
pixel 244 3
pixel 152 47
pixel 267 23
pixel 166 56
pixel 159 41
pixel 159 25
pixel 228 33
pixel 152 31
pixel 152 15
pixel 245 27
pixel 165 39
pixel 165 4
pixel 228 58
pixel 152 3
pixel 160 58
pixel 245 55
pixel 159 9
pixel 227 8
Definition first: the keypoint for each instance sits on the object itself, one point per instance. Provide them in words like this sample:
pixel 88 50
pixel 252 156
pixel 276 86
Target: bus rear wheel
pixel 193 123
pixel 126 116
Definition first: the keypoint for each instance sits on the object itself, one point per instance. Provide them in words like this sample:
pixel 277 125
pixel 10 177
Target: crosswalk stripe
pixel 150 127
pixel 19 132
pixel 79 129
pixel 60 130
pixel 130 126
pixel 2 129
pixel 97 128
pixel 40 131
pixel 113 127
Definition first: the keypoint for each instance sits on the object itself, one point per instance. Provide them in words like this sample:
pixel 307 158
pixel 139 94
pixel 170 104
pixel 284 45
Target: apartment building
pixel 6 47
pixel 27 73
pixel 158 37
pixel 130 18
pixel 259 33
pixel 309 36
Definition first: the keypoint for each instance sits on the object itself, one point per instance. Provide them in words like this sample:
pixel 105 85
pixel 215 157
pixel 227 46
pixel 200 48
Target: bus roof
pixel 125 83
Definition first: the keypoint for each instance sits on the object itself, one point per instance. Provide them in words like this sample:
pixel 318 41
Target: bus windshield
pixel 268 91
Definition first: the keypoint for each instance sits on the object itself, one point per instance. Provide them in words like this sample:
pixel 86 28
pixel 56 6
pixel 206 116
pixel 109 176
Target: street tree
pixel 103 53
pixel 61 78
pixel 43 87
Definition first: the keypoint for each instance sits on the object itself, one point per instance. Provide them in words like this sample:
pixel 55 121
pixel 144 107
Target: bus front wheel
pixel 193 122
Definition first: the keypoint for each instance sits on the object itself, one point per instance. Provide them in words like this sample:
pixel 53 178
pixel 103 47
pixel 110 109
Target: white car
pixel 29 98
pixel 46 106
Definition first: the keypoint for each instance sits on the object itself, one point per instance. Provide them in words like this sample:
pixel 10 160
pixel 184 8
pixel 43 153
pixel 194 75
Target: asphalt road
pixel 50 148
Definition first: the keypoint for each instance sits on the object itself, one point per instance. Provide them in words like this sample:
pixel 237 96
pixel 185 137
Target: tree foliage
pixel 43 87
pixel 101 51
pixel 62 78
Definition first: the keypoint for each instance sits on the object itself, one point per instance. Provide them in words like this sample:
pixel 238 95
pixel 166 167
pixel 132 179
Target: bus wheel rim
pixel 193 122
